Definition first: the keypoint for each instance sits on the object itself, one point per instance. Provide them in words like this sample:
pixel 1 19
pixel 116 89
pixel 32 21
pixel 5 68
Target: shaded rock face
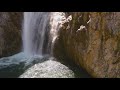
pixel 10 33
pixel 92 40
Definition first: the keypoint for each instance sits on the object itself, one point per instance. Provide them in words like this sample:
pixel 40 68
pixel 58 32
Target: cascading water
pixel 40 31
pixel 36 25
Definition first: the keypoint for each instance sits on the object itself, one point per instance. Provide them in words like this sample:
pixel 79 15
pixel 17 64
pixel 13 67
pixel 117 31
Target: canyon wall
pixel 92 40
pixel 10 33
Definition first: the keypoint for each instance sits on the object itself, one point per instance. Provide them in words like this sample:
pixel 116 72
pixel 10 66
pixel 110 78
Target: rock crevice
pixel 96 48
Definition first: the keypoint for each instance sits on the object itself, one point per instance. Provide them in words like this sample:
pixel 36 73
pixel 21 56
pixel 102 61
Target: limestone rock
pixel 48 69
pixel 96 49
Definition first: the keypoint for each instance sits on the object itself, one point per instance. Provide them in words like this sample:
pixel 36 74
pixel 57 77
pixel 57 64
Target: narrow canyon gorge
pixel 60 44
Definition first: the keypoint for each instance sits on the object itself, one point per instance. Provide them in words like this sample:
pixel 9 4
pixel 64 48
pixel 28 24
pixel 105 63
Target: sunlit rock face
pixel 40 32
pixel 10 33
pixel 48 69
pixel 92 40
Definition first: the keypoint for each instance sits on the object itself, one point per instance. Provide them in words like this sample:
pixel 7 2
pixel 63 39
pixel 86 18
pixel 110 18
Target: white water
pixel 40 31
pixel 37 27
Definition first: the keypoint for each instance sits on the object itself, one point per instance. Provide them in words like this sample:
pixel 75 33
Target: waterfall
pixel 40 31
pixel 39 34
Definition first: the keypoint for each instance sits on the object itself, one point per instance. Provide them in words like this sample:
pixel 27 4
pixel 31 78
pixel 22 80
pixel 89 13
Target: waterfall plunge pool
pixel 20 66
pixel 40 30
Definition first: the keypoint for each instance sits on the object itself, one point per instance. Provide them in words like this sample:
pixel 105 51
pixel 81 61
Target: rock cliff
pixel 92 40
pixel 10 33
